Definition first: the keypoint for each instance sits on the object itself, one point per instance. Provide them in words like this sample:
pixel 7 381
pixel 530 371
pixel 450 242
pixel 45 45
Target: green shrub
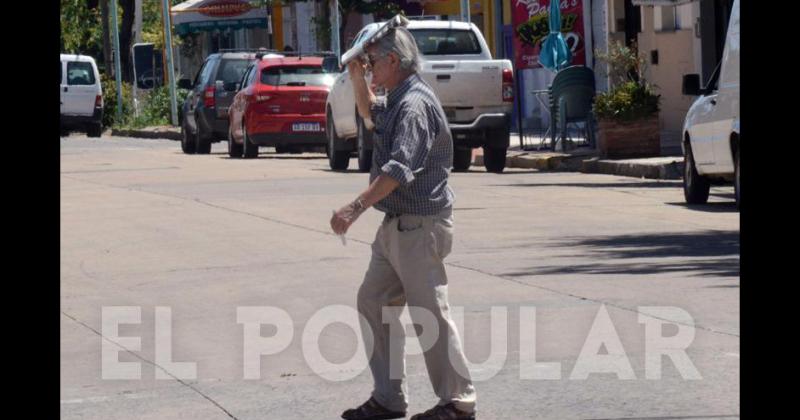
pixel 630 97
pixel 110 101
pixel 627 102
pixel 156 106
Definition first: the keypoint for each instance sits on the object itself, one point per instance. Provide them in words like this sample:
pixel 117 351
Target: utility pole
pixel 465 11
pixel 170 68
pixel 117 66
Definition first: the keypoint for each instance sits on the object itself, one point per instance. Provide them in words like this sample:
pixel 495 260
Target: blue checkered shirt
pixel 412 144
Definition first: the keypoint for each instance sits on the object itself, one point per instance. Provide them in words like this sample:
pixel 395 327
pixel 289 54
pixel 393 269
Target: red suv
pixel 280 103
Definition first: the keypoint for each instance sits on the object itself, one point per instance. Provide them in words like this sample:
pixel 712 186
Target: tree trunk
pixel 125 35
pixel 107 57
pixel 343 15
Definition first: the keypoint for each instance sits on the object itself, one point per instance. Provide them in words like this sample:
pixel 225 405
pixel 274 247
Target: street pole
pixel 335 31
pixel 465 11
pixel 170 70
pixel 117 65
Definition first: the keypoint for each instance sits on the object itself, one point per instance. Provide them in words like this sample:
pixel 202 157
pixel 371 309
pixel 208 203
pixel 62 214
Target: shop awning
pixel 660 2
pixel 210 15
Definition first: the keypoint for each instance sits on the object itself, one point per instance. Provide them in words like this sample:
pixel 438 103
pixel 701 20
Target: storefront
pixel 208 26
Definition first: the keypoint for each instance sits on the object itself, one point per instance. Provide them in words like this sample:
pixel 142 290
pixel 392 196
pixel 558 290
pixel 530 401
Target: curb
pixel 651 168
pixel 655 168
pixel 163 132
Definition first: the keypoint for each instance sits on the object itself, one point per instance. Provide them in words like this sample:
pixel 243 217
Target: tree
pixel 106 33
pixel 380 8
pixel 80 28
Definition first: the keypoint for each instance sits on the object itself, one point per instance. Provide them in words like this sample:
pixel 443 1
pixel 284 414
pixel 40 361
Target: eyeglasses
pixel 373 59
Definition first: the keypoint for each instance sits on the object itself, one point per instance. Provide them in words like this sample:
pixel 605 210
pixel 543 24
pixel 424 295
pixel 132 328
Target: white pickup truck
pixel 476 92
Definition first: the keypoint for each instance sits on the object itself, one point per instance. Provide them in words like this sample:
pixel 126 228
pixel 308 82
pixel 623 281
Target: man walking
pixel 412 156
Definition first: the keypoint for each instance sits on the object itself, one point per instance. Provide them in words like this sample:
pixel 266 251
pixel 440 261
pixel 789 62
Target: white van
pixel 81 95
pixel 711 139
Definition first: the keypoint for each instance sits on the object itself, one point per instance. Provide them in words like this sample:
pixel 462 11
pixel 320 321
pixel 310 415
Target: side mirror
pixel 185 84
pixel 691 85
pixel 330 64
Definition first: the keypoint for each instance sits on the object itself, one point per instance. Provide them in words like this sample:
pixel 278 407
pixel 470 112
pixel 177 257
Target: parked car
pixel 711 143
pixel 476 92
pixel 81 95
pixel 280 103
pixel 204 114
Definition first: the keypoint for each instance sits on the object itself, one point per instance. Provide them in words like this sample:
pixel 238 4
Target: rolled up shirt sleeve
pixel 410 146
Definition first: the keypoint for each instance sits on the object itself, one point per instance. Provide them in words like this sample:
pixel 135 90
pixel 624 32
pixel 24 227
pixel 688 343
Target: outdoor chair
pixel 571 97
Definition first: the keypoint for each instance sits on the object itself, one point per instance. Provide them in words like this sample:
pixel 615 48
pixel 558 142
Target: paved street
pixel 144 225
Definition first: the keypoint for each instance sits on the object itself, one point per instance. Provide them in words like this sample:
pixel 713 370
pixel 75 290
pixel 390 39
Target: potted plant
pixel 627 115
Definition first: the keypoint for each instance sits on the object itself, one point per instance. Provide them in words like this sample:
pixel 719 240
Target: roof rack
pixel 306 53
pixel 424 17
pixel 298 54
pixel 243 50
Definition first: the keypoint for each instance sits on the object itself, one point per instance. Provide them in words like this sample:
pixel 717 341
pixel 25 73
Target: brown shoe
pixel 444 412
pixel 371 410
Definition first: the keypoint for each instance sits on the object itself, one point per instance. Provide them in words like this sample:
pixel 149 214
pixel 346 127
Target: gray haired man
pixel 412 156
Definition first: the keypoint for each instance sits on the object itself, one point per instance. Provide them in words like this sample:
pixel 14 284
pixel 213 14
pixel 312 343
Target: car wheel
pixel 736 181
pixel 338 160
pixel 250 150
pixel 364 155
pixel 462 158
pixel 695 186
pixel 202 146
pixel 494 158
pixel 94 130
pixel 235 150
pixel 187 141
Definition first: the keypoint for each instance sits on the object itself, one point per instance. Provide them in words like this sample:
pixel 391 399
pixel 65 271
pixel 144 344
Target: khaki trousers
pixel 407 268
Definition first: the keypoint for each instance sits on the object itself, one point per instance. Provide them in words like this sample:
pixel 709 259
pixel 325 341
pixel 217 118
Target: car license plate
pixel 305 127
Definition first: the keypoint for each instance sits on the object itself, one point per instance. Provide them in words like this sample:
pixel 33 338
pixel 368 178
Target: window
pixel 247 79
pixel 231 71
pixel 198 77
pixel 205 76
pixel 446 42
pixel 80 73
pixel 295 76
pixel 664 17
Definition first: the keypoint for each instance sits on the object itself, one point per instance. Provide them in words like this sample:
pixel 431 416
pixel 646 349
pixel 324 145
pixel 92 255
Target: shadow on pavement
pixel 709 253
pixel 623 184
pixel 348 171
pixel 276 157
pixel 717 207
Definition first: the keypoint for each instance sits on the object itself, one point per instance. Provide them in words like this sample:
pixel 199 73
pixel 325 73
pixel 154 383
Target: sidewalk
pixel 586 161
pixel 158 132
pixel 577 160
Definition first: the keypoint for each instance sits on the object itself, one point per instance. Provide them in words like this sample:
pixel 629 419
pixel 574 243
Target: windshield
pixel 446 41
pixel 296 76
pixel 231 71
